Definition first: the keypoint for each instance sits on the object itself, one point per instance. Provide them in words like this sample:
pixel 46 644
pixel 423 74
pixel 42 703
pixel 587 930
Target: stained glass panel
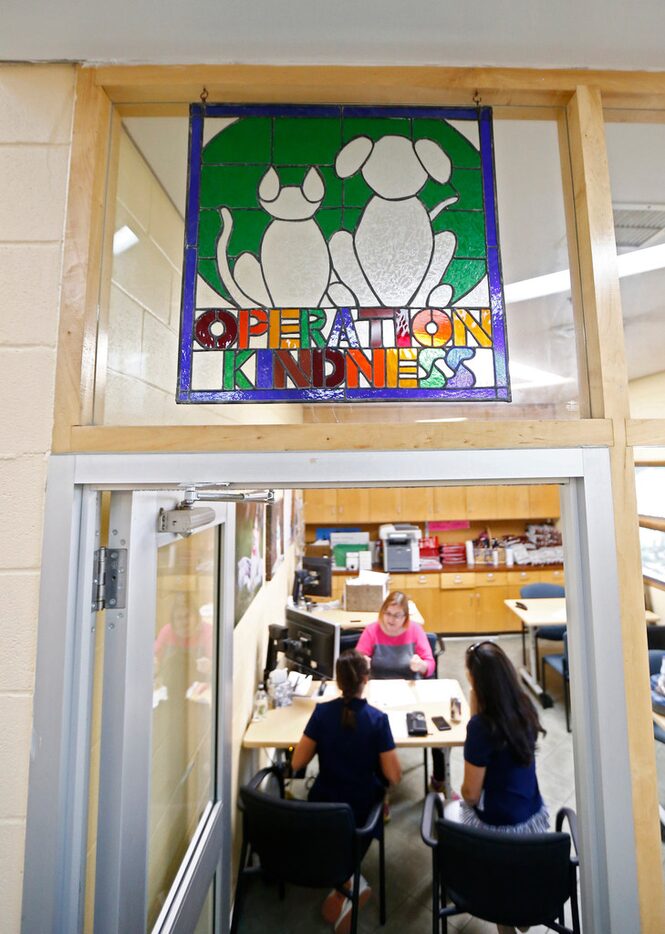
pixel 341 254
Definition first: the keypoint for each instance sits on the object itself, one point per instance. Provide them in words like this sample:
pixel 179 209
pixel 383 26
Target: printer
pixel 400 546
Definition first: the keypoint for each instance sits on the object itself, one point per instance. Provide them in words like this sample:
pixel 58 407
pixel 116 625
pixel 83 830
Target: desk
pixel 544 611
pixel 353 619
pixel 284 726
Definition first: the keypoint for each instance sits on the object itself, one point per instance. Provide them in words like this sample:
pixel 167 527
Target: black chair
pixel 304 843
pixel 438 647
pixel 538 591
pixel 512 879
pixel 559 662
pixel 348 639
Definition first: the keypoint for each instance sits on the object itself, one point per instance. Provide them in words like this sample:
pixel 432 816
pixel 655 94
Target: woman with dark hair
pixel 357 760
pixel 500 788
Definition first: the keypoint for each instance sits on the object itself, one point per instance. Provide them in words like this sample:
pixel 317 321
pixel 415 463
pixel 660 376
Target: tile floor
pixel 408 860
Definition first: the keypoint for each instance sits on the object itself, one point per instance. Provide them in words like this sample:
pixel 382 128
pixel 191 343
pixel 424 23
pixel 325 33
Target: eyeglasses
pixel 476 645
pixel 394 614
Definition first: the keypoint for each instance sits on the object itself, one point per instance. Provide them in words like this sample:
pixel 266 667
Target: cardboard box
pixel 364 598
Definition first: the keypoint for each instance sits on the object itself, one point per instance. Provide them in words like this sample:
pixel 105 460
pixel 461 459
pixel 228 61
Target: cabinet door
pixel 353 506
pixel 320 506
pixel 512 502
pixel 428 601
pixel 492 615
pixel 544 502
pixel 481 502
pixel 457 611
pixel 555 576
pixel 385 504
pixel 450 502
pixel 416 504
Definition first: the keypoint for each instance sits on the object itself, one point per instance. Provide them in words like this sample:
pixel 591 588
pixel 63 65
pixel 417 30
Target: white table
pixel 283 726
pixel 544 611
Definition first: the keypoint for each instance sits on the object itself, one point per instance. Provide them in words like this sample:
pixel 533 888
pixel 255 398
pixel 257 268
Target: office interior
pixel 556 380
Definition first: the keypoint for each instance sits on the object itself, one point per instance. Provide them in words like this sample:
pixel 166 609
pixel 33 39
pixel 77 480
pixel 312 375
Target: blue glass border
pixel 500 392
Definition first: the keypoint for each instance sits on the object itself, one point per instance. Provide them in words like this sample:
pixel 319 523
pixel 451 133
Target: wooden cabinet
pixel 544 502
pixel 492 614
pixel 555 576
pixel 419 504
pixel 333 507
pixel 401 504
pixel 353 506
pixel 449 502
pixel 501 502
pixel 457 610
pixel 384 505
pixel 320 506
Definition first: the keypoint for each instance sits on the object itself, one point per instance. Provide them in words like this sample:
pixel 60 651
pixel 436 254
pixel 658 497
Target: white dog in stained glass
pixel 393 259
pixel 294 266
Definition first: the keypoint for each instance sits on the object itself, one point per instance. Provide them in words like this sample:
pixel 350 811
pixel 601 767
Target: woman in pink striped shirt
pixel 396 647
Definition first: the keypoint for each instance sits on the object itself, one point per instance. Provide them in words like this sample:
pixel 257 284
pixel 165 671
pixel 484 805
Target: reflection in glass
pixel 182 764
pixel 139 326
pixel 652 544
pixel 650 482
pixel 206 920
pixel 635 159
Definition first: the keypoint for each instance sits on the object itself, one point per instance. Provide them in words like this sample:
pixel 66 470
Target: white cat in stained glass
pixel 394 259
pixel 294 266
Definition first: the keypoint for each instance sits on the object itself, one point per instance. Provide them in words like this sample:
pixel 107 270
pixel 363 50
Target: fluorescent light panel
pixel 123 239
pixel 629 264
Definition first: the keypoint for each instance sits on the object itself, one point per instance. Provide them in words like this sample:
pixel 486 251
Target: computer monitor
pixel 315 579
pixel 312 644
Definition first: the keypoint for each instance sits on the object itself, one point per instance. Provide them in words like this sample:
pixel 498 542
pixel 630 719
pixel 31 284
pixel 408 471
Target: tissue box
pixel 364 598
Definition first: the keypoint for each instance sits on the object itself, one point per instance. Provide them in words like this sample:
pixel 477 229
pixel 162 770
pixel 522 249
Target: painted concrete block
pixel 30 289
pixel 19 607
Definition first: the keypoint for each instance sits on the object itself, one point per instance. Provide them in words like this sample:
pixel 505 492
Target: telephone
pixel 416 723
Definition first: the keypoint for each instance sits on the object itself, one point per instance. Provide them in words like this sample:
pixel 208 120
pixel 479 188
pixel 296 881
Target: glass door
pixel 162 825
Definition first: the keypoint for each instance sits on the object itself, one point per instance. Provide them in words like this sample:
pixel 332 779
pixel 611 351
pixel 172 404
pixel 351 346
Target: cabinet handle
pixel 421 579
pixel 457 579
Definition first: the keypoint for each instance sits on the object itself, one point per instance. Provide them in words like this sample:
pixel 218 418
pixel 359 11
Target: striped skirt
pixel 464 814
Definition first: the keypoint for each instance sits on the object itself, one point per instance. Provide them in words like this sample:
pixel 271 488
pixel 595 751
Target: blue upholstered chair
pixel 539 591
pixel 559 662
pixel 655 661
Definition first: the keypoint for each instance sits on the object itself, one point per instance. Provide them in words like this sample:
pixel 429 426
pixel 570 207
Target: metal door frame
pixel 602 764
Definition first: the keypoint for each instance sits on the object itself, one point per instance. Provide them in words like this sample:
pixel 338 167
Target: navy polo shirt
pixel 349 768
pixel 510 791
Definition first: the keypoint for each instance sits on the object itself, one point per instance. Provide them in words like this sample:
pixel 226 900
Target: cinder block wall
pixel 36 104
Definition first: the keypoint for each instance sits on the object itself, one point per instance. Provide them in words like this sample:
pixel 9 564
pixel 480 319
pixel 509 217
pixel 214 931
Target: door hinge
pixel 109 579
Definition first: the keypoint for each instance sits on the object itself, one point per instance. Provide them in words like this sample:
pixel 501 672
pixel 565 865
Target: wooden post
pixel 608 390
pixel 81 261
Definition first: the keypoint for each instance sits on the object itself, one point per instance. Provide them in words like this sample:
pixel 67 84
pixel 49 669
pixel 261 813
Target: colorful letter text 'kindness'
pixel 341 254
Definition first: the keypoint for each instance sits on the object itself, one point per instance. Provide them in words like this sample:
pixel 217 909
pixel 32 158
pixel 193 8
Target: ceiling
pixel 541 33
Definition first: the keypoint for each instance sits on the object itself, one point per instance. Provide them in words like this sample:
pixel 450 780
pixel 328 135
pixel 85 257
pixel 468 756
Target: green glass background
pixel 236 159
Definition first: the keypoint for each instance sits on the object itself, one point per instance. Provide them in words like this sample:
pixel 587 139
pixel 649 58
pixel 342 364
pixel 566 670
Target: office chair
pixel 348 639
pixel 504 878
pixel 559 662
pixel 540 590
pixel 438 647
pixel 304 843
pixel 655 661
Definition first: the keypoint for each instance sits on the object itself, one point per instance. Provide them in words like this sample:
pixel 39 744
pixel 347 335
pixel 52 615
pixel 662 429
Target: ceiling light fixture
pixel 428 420
pixel 533 376
pixel 629 264
pixel 123 239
